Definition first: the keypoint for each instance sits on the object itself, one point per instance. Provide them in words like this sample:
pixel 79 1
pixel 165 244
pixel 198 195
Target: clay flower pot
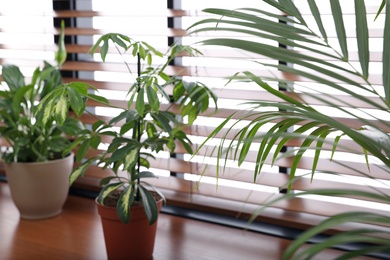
pixel 39 189
pixel 134 240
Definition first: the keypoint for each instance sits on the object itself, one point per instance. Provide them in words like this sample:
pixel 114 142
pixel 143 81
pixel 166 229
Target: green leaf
pixel 119 117
pixel 151 130
pixel 322 132
pixel 245 148
pixel 131 159
pixel 80 87
pixel 163 120
pixel 340 28
pixel 256 22
pixel 19 98
pixel 95 141
pixel 97 124
pixel 94 48
pixel 162 91
pixel 178 91
pixel 13 77
pixel 268 88
pixel 107 180
pixel 149 60
pixel 289 56
pixel 76 101
pixel 61 109
pixel 152 98
pixel 104 50
pixel 118 39
pixel 370 250
pixel 117 142
pixel 150 205
pixel 354 236
pixel 144 162
pixel 379 138
pixel 336 141
pixel 146 174
pixel 216 130
pixel 79 171
pixel 386 55
pixel 124 203
pixel 72 127
pixel 317 16
pixel 380 9
pixel 142 52
pixel 99 99
pixel 152 49
pixel 126 127
pixel 184 140
pixel 131 116
pixel 153 188
pixel 83 150
pixel 362 36
pixel 46 109
pixel 140 103
pixel 165 76
pixel 293 10
pixel 332 222
pixel 106 190
pixel 120 153
pixel 58 143
pixel 279 129
pixel 61 54
pixel 170 144
pixel 135 49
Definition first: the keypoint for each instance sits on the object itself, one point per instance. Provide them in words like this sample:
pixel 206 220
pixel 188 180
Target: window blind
pixel 187 180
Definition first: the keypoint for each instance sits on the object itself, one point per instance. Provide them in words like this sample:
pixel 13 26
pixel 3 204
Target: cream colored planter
pixel 39 190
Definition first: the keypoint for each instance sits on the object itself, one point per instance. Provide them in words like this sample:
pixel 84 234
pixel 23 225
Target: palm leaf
pixel 340 28
pixel 317 17
pixel 334 221
pixel 362 36
pixel 367 236
pixel 386 55
pixel 312 128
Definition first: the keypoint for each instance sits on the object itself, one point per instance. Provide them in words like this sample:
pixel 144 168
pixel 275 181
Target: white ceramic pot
pixel 39 190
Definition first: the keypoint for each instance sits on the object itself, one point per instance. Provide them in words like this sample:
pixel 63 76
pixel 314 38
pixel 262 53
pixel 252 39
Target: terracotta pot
pixel 134 240
pixel 39 189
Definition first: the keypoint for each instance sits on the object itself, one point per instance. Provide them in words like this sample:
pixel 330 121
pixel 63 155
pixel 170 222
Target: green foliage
pixel 312 127
pixel 35 117
pixel 144 127
pixel 60 55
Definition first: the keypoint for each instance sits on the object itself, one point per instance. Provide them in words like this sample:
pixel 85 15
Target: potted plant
pixel 312 127
pixel 38 158
pixel 127 203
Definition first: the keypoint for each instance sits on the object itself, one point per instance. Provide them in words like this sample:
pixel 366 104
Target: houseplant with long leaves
pixel 139 131
pixel 311 126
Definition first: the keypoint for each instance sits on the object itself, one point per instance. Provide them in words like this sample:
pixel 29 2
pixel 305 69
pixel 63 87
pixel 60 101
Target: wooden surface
pixel 77 234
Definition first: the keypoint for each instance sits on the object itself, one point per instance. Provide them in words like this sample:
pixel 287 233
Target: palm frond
pixel 287 26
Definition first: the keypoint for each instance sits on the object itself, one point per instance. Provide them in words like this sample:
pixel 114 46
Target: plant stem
pixel 138 134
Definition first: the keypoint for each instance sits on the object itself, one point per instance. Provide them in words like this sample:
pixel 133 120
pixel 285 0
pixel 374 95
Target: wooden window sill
pixel 77 234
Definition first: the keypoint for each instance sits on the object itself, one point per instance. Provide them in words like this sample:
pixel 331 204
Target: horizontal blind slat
pixel 106 13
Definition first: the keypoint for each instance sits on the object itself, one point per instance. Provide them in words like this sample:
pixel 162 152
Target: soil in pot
pixel 134 240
